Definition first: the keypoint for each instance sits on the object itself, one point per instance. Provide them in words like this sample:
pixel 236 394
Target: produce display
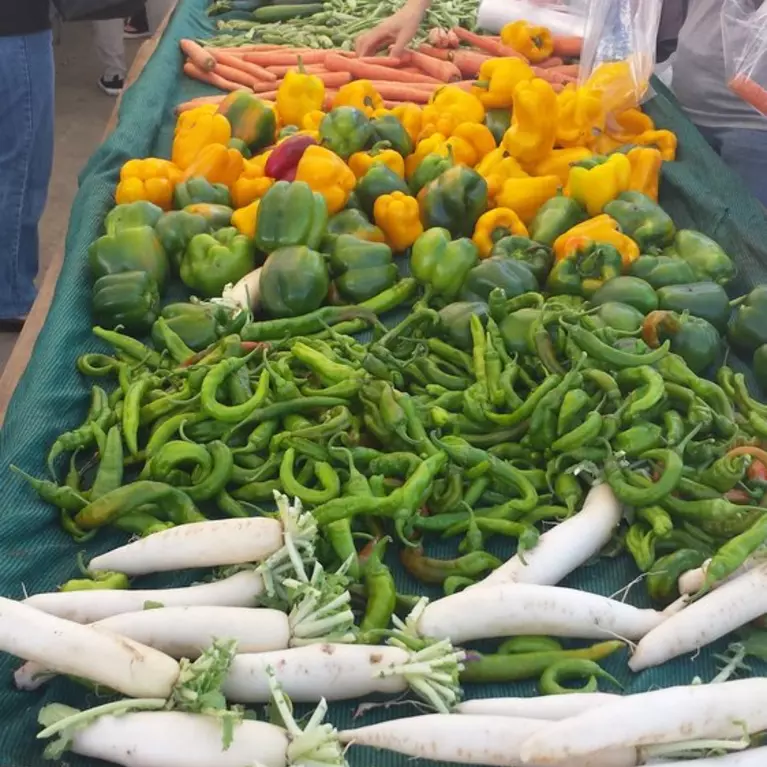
pixel 337 333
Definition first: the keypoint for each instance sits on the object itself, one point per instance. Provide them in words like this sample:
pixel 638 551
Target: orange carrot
pixel 444 71
pixel 443 54
pixel 751 92
pixel 281 58
pixel 212 78
pixel 281 71
pixel 236 63
pixel 570 70
pixel 185 106
pixel 197 55
pixel 361 71
pixel 238 76
pixel 397 91
pixel 268 97
pixel 469 62
pixel 487 44
pixel 411 70
pixel 552 61
pixel 334 79
pixel 553 76
pixel 382 61
pixel 567 47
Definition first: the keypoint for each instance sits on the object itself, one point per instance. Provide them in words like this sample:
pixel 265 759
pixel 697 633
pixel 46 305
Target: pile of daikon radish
pixel 200 648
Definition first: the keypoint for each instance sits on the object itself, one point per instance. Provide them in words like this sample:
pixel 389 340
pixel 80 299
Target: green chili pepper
pixel 638 439
pixel 528 407
pixel 725 472
pixel 583 435
pixel 662 579
pixel 568 490
pixel 381 593
pixel 658 519
pixel 644 496
pixel 573 669
pixel 110 473
pixel 609 355
pixel 716 516
pixel 732 554
pixel 325 473
pixel 430 570
pixel 130 346
pixel 64 497
pixel 397 464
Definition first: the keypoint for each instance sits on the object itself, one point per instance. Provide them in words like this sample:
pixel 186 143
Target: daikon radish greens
pixel 176 739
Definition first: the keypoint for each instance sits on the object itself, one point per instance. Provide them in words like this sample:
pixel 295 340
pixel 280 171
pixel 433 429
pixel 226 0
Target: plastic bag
pixel 562 17
pixel 744 33
pixel 619 50
pixel 96 10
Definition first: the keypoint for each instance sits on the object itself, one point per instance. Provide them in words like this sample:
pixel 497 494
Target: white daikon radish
pixel 565 547
pixel 490 740
pixel 71 648
pixel 246 294
pixel 753 757
pixel 239 590
pixel 674 715
pixel 693 580
pixel 509 609
pixel 702 622
pixel 552 707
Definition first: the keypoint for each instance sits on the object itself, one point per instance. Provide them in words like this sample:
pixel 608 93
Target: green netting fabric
pixel 698 191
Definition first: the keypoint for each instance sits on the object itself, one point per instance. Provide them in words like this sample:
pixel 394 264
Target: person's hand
pixel 397 30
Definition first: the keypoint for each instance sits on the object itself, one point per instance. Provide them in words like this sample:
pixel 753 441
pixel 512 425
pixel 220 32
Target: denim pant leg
pixel 26 156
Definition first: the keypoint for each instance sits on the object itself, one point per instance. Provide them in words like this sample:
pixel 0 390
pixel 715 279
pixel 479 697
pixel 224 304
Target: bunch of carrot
pixel 411 78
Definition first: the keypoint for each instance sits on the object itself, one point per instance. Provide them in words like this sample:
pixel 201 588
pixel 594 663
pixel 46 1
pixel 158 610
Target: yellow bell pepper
pixel 623 126
pixel 525 195
pixel 245 219
pixel 645 163
pixel 477 136
pixel 493 225
pixel 152 179
pixel 253 182
pixel 311 120
pixel 360 94
pixel 496 167
pixel 602 228
pixel 620 84
pixel 559 161
pixel 497 79
pixel 218 163
pixel 448 108
pixel 534 43
pixel 533 123
pixel 399 217
pixel 596 186
pixel 579 114
pixel 411 117
pixel 328 174
pixel 362 162
pixel 196 129
pixel 434 144
pixel 664 140
pixel 603 143
pixel 299 94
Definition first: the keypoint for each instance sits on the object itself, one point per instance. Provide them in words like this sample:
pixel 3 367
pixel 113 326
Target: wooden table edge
pixel 25 343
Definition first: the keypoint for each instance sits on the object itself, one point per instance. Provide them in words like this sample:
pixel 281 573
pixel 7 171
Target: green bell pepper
pixel 294 281
pixel 583 271
pixel 252 120
pixel 199 325
pixel 516 330
pixel 132 215
pixel 432 166
pixel 627 290
pixel 290 214
pixel 175 229
pixel 643 220
pixel 212 261
pixel 539 258
pixel 442 264
pixel 127 299
pixel 455 201
pixel 692 338
pixel 362 269
pixel 345 130
pixel 618 316
pixel 701 299
pixel 760 367
pixel 455 321
pixel 199 189
pixel 379 180
pixel 661 271
pixel 353 222
pixel 707 259
pixel 555 217
pixel 498 122
pixel 748 330
pixel 513 276
pixel 243 148
pixel 217 216
pixel 389 130
pixel 130 244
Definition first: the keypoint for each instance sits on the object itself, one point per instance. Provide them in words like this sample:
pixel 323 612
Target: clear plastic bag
pixel 619 50
pixel 562 17
pixel 744 33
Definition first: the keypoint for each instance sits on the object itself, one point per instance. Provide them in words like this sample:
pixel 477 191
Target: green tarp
pixel 698 190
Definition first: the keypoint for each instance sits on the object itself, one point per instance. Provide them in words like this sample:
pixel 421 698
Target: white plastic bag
pixel 562 17
pixel 744 33
pixel 619 50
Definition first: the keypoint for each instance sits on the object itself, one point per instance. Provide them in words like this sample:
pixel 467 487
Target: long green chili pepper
pixel 131 411
pixel 640 543
pixel 715 516
pixel 398 464
pixel 568 490
pixel 431 570
pixel 645 495
pixel 96 365
pixel 130 346
pixel 213 482
pixel 662 579
pixel 434 374
pixel 110 473
pixel 450 354
pixel 307 324
pixel 230 506
pixel 255 491
pixel 325 473
pixel 346 389
pixel 725 472
pixel 615 358
pixel 573 668
pixel 281 409
pixel 574 403
pixel 581 436
pixel 528 407
pixel 606 384
pixel 479 344
pixel 62 496
pixel 231 413
pixel 381 594
pixel 658 519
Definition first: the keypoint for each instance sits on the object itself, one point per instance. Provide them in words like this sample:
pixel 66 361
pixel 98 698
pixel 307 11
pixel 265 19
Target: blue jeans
pixel 26 156
pixel 745 152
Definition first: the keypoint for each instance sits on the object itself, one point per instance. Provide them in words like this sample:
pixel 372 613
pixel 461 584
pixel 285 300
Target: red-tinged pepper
pixel 284 158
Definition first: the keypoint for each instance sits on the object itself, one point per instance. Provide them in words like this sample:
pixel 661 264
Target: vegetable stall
pixel 542 411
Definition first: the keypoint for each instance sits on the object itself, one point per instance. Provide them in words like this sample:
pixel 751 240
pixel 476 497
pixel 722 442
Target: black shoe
pixel 12 324
pixel 113 86
pixel 136 26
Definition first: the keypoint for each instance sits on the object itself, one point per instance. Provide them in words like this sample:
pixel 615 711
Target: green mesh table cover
pixel 698 191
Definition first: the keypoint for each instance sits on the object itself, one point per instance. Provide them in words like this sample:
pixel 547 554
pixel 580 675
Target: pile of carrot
pixel 411 78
